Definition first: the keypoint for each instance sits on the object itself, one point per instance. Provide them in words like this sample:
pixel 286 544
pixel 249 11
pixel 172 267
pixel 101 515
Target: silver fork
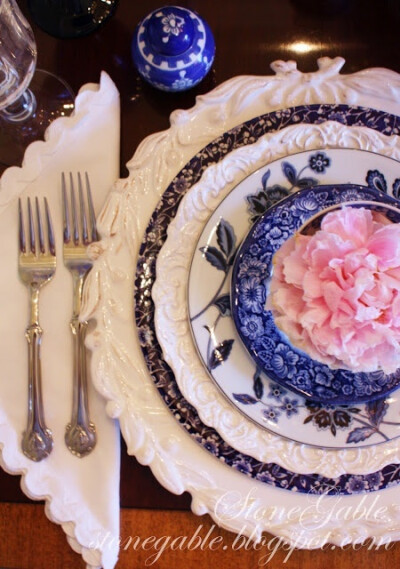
pixel 79 232
pixel 36 265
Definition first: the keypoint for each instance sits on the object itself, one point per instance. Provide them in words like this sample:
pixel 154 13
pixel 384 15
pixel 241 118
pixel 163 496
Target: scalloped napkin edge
pixel 82 495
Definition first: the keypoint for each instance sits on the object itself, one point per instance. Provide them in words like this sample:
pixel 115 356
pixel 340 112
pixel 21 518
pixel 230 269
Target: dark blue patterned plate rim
pixel 267 345
pixel 153 240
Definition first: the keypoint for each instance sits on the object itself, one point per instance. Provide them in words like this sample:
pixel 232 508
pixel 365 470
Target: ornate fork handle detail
pixel 80 435
pixel 37 440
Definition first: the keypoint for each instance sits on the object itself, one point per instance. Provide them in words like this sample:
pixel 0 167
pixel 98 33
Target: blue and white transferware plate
pixel 251 391
pixel 268 346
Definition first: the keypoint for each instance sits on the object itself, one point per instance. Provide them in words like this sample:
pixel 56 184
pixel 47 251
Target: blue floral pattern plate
pixel 269 347
pixel 269 473
pixel 252 392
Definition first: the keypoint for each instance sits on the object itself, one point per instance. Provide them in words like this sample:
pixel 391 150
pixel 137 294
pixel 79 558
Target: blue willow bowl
pixel 173 48
pixel 270 348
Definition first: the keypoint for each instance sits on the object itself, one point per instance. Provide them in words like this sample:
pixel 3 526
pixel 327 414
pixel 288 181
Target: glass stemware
pixel 29 99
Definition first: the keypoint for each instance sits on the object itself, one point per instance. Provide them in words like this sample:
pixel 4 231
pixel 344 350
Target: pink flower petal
pixel 294 265
pixel 350 223
pixel 385 245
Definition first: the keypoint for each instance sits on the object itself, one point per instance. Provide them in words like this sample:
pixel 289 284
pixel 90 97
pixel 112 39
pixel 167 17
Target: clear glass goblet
pixel 29 99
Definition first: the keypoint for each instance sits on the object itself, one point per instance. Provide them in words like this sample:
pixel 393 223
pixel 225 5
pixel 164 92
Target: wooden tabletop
pixel 249 36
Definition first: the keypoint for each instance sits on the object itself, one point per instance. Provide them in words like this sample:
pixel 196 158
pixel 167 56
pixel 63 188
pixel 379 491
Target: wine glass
pixel 29 99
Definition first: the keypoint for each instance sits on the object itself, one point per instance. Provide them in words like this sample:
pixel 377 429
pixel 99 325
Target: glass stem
pixel 21 109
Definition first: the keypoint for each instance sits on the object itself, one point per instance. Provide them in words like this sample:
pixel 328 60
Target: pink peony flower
pixel 336 294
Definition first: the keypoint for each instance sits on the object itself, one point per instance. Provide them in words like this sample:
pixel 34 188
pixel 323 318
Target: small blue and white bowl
pixel 173 48
pixel 270 349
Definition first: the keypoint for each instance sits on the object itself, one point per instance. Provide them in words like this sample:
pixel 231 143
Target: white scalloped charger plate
pixel 235 373
pixel 238 502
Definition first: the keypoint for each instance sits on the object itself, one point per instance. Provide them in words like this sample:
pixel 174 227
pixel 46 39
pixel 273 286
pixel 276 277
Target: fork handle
pixel 37 440
pixel 80 435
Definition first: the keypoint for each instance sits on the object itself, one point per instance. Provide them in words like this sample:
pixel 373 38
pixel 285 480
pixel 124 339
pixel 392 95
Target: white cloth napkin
pixel 81 494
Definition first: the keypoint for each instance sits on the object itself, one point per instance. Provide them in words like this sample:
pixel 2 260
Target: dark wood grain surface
pixel 249 35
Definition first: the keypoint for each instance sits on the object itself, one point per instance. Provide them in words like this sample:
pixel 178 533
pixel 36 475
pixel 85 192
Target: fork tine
pixel 21 229
pixel 32 238
pixel 39 226
pixel 66 215
pixel 92 215
pixel 75 227
pixel 79 217
pixel 50 231
pixel 82 211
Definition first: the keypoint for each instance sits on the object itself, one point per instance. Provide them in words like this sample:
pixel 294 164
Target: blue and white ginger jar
pixel 173 48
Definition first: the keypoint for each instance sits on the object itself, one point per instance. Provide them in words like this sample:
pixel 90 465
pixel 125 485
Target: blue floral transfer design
pixel 163 377
pixel 363 421
pixel 221 258
pixel 377 181
pixel 263 199
pixel 319 162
